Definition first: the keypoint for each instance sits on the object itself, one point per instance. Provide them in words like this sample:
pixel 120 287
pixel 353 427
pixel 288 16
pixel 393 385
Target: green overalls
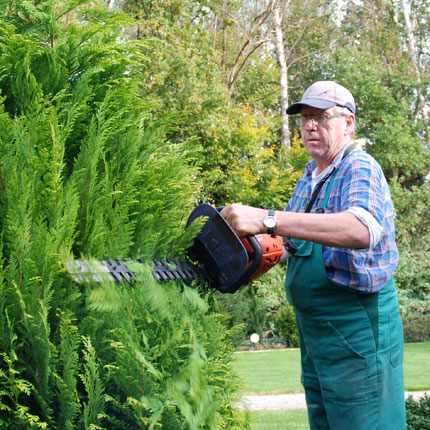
pixel 351 347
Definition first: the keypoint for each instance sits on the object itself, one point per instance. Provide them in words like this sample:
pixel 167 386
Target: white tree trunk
pixel 422 109
pixel 283 81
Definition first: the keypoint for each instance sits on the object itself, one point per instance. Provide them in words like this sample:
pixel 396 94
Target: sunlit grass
pixel 417 366
pixel 278 371
pixel 279 420
pixel 264 372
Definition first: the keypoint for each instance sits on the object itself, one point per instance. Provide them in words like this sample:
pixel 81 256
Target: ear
pixel 350 124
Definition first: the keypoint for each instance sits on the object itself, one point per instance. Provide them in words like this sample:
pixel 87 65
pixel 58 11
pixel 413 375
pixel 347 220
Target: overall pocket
pixel 396 338
pixel 298 282
pixel 343 371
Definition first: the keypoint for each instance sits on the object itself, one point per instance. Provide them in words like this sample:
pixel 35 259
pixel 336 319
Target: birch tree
pixel 254 36
pixel 412 18
pixel 283 77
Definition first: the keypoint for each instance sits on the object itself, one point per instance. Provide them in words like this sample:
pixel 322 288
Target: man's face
pixel 323 142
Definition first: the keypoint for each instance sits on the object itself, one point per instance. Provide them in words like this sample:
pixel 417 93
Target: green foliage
pixel 418 413
pixel 239 162
pixel 286 325
pixel 236 125
pixel 413 271
pixel 87 169
pixel 383 97
pixel 416 327
pixel 183 371
pixel 94 408
pixel 255 308
pixel 415 312
pixel 412 226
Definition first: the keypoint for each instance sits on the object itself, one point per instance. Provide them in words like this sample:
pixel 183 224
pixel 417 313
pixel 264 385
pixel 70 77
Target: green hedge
pixel 416 327
pixel 86 171
pixel 418 413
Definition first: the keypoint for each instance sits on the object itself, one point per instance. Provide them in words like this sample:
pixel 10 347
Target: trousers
pixel 351 348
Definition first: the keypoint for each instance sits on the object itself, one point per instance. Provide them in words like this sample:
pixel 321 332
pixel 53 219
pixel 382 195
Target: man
pixel 339 229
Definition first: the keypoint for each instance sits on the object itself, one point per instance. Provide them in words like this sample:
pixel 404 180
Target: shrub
pixel 416 327
pixel 415 314
pixel 286 325
pixel 253 308
pixel 87 170
pixel 418 413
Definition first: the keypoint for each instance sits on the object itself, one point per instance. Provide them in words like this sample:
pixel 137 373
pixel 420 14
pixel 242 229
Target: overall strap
pixel 327 193
pixel 318 189
pixel 333 173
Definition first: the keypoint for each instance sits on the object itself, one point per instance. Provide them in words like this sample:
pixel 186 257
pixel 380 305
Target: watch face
pixel 270 222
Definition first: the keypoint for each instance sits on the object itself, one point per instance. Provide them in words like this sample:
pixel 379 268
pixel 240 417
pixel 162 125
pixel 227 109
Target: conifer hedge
pixel 86 171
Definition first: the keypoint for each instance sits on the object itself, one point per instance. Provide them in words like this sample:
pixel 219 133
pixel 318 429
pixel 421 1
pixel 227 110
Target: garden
pixel 119 117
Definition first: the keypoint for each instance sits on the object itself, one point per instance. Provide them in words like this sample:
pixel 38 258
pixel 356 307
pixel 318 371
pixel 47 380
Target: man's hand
pixel 245 220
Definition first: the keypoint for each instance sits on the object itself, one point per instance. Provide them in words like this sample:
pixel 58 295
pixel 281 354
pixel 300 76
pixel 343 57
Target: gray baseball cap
pixel 324 95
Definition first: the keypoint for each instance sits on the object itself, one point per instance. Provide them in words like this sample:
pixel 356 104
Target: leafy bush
pixel 286 325
pixel 261 307
pixel 416 327
pixel 415 314
pixel 418 413
pixel 253 308
pixel 413 272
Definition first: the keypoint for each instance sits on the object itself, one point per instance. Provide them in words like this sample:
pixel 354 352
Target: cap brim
pixel 315 103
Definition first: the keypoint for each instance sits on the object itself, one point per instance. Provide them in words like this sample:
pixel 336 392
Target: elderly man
pixel 339 231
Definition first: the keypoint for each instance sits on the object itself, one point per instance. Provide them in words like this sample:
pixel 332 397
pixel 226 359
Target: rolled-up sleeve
pixel 375 229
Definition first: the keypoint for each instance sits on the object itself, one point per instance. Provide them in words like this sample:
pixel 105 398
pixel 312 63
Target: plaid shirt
pixel 359 182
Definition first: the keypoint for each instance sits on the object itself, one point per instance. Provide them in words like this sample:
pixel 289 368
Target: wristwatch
pixel 270 222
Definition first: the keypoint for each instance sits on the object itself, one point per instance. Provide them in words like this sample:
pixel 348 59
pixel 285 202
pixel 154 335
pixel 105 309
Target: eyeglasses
pixel 320 120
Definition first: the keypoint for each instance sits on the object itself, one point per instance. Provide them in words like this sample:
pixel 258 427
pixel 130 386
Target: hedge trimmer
pixel 217 256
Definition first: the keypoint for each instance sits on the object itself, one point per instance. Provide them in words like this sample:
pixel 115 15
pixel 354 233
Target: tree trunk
pixel 422 109
pixel 283 80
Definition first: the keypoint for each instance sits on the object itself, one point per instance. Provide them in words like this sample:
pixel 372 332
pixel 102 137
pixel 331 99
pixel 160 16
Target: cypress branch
pixel 95 405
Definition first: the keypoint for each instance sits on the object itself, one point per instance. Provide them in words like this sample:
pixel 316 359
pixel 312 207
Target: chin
pixel 313 152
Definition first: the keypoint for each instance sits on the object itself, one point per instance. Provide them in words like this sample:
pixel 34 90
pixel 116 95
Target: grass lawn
pixel 279 420
pixel 264 372
pixel 278 371
pixel 417 366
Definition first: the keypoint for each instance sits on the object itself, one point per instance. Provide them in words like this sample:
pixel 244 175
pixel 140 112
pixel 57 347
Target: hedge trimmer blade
pixel 217 256
pixel 125 271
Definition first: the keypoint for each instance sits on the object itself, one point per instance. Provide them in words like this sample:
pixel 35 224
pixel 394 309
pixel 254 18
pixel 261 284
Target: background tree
pixel 228 91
